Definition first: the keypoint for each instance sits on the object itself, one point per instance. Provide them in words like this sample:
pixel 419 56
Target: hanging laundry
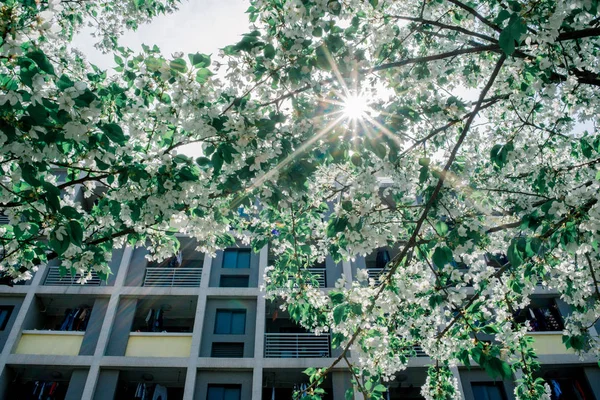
pixel 160 393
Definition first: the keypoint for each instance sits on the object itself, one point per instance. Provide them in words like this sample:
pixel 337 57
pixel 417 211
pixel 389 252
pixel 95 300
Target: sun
pixel 355 106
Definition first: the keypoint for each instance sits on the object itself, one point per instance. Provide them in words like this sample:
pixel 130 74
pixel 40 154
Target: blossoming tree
pixel 451 129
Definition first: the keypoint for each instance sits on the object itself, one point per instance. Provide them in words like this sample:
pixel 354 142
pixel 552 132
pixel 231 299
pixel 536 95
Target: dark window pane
pixel 234 281
pixel 232 393
pixel 224 392
pixel 5 312
pixel 488 391
pixel 238 323
pixel 243 259
pixel 227 350
pixel 216 392
pixel 230 259
pixel 223 322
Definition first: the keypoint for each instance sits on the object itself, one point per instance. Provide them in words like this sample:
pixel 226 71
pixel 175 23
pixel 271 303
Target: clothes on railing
pixel 149 391
pixel 567 389
pixel 45 391
pixel 76 319
pixel 542 319
pixel 154 320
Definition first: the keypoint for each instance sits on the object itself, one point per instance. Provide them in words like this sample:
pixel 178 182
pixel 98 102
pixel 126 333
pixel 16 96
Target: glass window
pixel 236 258
pixel 230 322
pixel 234 281
pixel 488 391
pixel 224 392
pixel 5 312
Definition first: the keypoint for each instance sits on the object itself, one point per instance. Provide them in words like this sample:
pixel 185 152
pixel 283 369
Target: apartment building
pixel 199 328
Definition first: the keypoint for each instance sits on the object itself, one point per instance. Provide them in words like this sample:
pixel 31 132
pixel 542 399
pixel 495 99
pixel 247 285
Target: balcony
pixel 296 345
pixel 50 343
pixel 549 343
pixel 54 278
pixel 320 275
pixel 159 344
pixel 173 276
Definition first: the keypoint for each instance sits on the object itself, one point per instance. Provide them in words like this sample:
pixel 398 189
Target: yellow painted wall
pixel 54 344
pixel 549 344
pixel 159 346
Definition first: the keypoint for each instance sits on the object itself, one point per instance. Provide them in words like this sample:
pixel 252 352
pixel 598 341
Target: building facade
pixel 200 328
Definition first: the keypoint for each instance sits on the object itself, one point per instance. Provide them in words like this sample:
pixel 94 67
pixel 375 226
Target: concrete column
pixel 259 332
pixel 76 384
pixel 593 378
pixel 105 331
pixel 192 369
pixel 15 334
pixel 347 270
pixel 456 375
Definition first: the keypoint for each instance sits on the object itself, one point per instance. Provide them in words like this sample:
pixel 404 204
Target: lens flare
pixel 355 106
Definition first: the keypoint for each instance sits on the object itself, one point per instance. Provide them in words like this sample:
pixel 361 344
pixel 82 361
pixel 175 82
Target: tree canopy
pixel 453 129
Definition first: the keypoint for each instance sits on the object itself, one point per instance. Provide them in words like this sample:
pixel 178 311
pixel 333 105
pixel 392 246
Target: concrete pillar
pixel 76 384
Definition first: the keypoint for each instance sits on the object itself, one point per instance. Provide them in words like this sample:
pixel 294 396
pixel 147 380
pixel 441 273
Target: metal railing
pixel 419 351
pixel 320 276
pixel 54 279
pixel 375 273
pixel 4 219
pixel 173 277
pixel 296 345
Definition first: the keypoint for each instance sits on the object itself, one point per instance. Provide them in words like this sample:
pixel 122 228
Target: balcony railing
pixel 296 345
pixel 375 273
pixel 173 277
pixel 320 275
pixel 54 279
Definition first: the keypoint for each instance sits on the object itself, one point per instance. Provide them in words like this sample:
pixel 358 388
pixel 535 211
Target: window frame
pixel 224 387
pixel 497 384
pixel 236 264
pixel 231 312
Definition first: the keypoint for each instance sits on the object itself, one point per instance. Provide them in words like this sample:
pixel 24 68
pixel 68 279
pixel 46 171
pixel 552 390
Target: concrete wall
pixel 119 334
pixel 208 335
pixel 94 326
pixel 217 270
pixel 137 268
pixel 205 378
pixel 76 384
pixel 16 302
pixel 333 271
pixel 107 384
pixel 114 265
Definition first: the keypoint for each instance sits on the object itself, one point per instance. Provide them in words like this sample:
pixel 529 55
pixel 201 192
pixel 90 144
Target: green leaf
pixel 374 3
pixel 178 65
pixel 199 60
pixel 441 228
pixel 442 256
pixel 202 75
pixel 506 41
pixel 52 195
pixel 323 58
pixel 75 232
pixel 114 133
pixel 269 51
pixel 514 255
pixel 340 313
pixel 336 297
pixel 41 60
pixel 29 175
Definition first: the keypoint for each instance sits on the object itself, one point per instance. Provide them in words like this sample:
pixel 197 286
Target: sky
pixel 202 26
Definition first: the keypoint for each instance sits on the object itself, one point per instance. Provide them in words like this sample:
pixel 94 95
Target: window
pixel 224 392
pixel 230 322
pixel 5 312
pixel 488 391
pixel 234 281
pixel 227 350
pixel 236 258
